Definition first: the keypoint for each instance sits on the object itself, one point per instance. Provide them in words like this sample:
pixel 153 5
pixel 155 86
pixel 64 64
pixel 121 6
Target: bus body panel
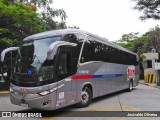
pixel 105 81
pixel 64 93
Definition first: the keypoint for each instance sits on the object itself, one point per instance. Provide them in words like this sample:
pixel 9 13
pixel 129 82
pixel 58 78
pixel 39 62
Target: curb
pixel 4 92
pixel 155 86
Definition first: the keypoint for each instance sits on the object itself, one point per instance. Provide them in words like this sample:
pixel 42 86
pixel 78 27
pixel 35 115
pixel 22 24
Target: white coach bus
pixel 58 68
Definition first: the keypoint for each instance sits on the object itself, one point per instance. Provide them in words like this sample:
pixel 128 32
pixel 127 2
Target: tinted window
pixel 78 39
pixel 64 64
pixel 94 50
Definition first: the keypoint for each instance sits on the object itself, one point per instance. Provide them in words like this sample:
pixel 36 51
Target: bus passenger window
pixel 64 64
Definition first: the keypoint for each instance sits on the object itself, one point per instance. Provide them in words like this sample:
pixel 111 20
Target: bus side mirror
pixel 6 51
pixel 52 49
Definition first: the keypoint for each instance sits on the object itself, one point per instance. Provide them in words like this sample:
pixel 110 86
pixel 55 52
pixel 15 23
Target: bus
pixel 59 68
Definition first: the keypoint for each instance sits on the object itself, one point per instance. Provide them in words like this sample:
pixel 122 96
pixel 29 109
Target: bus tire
pixel 86 97
pixel 130 88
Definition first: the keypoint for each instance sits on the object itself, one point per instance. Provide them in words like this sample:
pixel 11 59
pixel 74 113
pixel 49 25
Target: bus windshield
pixel 31 64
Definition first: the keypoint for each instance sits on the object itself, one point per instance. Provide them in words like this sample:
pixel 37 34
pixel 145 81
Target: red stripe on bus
pixel 77 77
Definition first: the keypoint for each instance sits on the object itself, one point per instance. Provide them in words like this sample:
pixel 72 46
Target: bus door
pixel 63 72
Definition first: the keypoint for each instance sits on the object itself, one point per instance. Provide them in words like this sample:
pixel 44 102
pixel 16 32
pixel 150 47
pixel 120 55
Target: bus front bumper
pixel 47 102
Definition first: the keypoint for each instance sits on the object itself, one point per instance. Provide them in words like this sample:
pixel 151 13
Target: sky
pixel 106 18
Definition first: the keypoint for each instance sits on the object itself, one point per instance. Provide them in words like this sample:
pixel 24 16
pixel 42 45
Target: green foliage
pixel 6 41
pixel 128 40
pixel 152 40
pixel 46 11
pixel 143 43
pixel 149 8
pixel 18 21
pixel 138 45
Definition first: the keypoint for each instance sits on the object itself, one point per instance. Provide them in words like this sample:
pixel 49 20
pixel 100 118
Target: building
pixel 149 62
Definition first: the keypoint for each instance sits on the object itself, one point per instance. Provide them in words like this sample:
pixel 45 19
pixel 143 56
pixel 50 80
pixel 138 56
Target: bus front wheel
pixel 86 97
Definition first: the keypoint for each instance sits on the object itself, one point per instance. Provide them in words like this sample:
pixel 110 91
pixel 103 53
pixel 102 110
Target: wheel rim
pixel 84 97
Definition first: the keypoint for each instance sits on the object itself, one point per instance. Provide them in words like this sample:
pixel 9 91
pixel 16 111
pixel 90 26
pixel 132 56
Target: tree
pixel 144 43
pixel 128 40
pixel 19 18
pixel 138 45
pixel 152 40
pixel 47 13
pixel 150 8
pixel 18 21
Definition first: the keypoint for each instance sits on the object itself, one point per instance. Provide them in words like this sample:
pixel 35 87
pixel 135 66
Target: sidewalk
pixel 149 84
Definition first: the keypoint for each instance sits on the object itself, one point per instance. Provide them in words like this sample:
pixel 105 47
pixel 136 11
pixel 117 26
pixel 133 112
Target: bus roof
pixel 70 31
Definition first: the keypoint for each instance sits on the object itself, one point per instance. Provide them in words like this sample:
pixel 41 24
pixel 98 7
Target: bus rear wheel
pixel 86 97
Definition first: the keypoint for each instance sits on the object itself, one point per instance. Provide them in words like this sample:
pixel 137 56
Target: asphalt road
pixel 142 98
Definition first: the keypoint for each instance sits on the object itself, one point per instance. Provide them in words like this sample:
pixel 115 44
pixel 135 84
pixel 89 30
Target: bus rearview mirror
pixel 6 51
pixel 52 49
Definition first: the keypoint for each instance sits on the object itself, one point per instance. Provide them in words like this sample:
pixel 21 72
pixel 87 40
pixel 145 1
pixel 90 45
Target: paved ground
pixel 142 98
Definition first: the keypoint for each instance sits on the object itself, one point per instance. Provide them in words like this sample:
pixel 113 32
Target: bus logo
pixel 131 72
pixel 23 90
pixel 29 71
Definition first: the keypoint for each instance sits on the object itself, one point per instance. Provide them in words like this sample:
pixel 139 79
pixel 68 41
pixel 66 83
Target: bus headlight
pixel 44 93
pixel 47 91
pixel 54 89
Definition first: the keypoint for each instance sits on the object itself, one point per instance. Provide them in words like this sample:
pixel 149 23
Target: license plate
pixel 24 105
